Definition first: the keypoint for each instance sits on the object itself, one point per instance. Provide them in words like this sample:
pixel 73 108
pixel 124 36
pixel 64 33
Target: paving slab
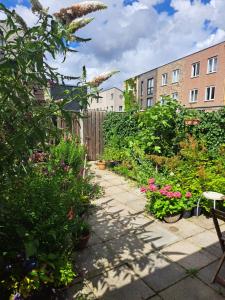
pixel 188 255
pixel 120 283
pixel 202 221
pixel 208 241
pixel 206 275
pixel 94 240
pixel 128 247
pixel 114 190
pixel 157 271
pixel 79 291
pixel 156 297
pixel 103 200
pixel 94 260
pixel 117 181
pixel 109 229
pixel 183 228
pixel 132 201
pixel 156 235
pixel 190 289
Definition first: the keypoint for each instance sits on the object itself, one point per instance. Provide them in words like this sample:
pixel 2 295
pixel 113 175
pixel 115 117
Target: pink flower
pixel 167 187
pixel 170 194
pixel 151 180
pixel 188 195
pixel 177 195
pixel 143 190
pixel 163 192
pixel 152 187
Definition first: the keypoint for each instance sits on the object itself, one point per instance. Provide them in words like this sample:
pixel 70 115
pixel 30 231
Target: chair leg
pixel 198 205
pixel 218 267
pixel 214 206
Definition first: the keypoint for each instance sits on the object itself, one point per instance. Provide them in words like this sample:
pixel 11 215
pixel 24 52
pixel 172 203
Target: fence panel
pixel 92 131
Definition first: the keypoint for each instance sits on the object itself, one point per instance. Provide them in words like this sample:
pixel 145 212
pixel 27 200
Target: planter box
pixel 192 122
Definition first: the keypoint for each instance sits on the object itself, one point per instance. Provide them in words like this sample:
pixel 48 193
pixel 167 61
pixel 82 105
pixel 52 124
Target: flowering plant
pixel 166 200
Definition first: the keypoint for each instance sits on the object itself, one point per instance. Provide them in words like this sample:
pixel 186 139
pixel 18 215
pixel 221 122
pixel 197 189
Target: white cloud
pixel 135 38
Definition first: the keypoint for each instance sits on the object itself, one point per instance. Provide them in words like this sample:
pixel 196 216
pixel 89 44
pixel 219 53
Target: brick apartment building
pixel 196 80
pixel 109 100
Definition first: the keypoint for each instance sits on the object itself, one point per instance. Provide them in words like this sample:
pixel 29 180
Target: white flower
pixel 67 15
pixel 96 81
pixel 78 23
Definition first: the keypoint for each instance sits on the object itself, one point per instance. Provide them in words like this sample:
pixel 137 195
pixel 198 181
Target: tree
pixel 24 122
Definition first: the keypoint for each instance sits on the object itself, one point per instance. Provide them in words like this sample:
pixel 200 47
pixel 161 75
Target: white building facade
pixel 110 100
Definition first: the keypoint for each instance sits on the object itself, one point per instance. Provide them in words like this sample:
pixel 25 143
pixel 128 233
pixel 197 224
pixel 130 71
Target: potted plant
pixel 164 203
pixel 188 206
pixel 80 234
pixel 101 164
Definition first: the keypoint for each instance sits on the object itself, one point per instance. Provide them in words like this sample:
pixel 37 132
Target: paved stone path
pixel 131 256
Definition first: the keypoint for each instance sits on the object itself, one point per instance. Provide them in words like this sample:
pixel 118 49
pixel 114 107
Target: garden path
pixel 132 256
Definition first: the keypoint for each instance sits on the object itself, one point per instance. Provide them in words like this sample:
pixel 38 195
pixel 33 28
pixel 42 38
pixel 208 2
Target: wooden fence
pixel 89 130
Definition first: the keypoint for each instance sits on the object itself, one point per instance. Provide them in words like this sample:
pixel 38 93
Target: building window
pixel 212 65
pixel 162 99
pixel 111 108
pixel 210 93
pixel 176 75
pixel 150 102
pixel 111 96
pixel 142 84
pixel 193 96
pixel 164 79
pixel 175 96
pixel 195 70
pixel 120 108
pixel 150 86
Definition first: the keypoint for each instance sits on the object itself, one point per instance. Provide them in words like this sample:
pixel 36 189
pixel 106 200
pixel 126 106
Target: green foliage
pixel 39 198
pixel 119 126
pixel 45 205
pixel 129 94
pixel 161 145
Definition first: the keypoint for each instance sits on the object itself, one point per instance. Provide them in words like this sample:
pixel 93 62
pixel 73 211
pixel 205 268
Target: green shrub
pixel 37 217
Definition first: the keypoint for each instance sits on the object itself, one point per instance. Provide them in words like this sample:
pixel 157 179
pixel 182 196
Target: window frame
pixel 149 100
pixel 211 87
pixel 150 87
pixel 194 74
pixel 175 79
pixel 164 82
pixel 190 95
pixel 175 98
pixel 214 65
pixel 142 88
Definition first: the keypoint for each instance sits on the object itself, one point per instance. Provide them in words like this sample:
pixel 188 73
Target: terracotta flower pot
pixel 82 243
pixel 101 165
pixel 172 218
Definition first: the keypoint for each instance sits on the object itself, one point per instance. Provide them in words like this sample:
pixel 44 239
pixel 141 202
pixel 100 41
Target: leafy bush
pixel 119 126
pixel 36 247
pixel 190 158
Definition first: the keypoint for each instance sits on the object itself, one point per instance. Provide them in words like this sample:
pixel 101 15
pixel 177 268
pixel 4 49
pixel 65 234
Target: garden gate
pixel 89 130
